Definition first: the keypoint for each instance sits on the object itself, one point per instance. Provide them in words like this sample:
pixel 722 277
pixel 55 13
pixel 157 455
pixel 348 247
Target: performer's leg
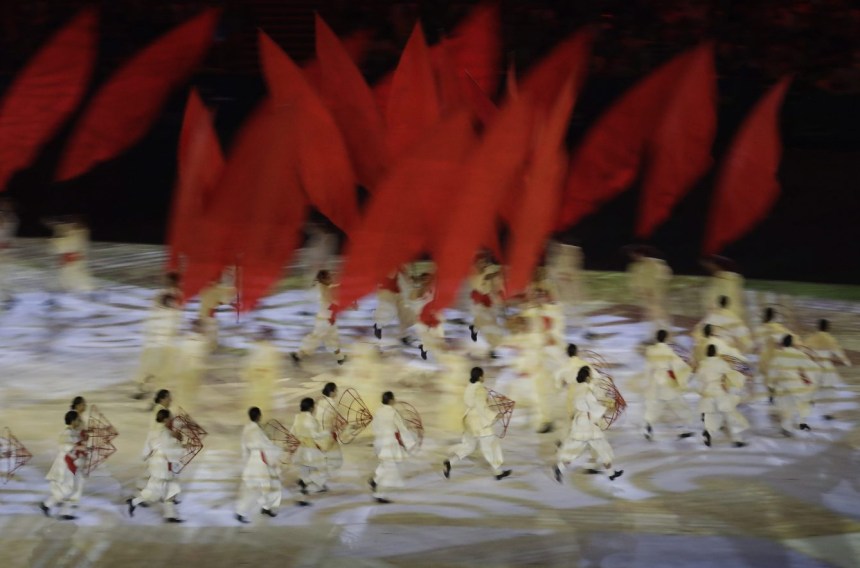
pixel 491 448
pixel 464 448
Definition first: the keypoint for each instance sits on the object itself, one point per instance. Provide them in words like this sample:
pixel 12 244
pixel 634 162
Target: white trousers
pixel 160 490
pixel 387 476
pixel 262 492
pixel 601 451
pixel 793 409
pixel 314 477
pixel 655 407
pixel 323 333
pixel 491 448
pixel 734 421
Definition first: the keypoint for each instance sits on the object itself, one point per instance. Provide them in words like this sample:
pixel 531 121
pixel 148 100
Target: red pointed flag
pixel 609 158
pixel 200 165
pixel 352 105
pixel 747 186
pixel 475 47
pixel 123 109
pixel 546 80
pixel 355 47
pixel 319 153
pixel 680 147
pixel 45 93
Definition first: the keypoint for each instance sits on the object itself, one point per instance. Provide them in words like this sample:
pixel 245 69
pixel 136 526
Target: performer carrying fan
pixel 666 376
pixel 329 420
pixel 164 464
pixel 393 442
pixel 66 469
pixel 261 477
pixel 720 386
pixel 310 457
pixel 478 428
pixel 325 327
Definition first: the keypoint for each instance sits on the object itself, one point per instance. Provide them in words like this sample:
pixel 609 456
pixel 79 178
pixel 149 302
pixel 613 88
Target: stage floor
pixel 777 502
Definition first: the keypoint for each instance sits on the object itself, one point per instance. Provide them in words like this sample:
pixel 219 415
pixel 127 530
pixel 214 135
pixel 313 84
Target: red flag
pixel 413 102
pixel 125 107
pixel 45 93
pixel 319 153
pixel 747 186
pixel 351 103
pixel 567 60
pixel 680 148
pixel 608 159
pixel 406 213
pixel 472 213
pixel 354 46
pixel 200 164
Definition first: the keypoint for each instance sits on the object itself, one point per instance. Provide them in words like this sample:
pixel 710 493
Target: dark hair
pixel 787 341
pixel 329 388
pixel 254 414
pixel 823 325
pixel 387 397
pixel 161 395
pixel 723 301
pixel 708 330
pixel 583 374
pixel 712 350
pixel 76 401
pixel 306 404
pixel 571 350
pixel 70 417
pixel 768 314
pixel 476 374
pixel 662 335
pixel 162 416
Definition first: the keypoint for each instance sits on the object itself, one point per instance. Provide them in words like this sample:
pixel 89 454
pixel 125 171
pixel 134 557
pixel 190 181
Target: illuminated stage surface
pixel 778 502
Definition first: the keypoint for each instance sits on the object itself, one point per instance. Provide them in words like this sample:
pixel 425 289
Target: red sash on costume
pixel 429 318
pixel 399 440
pixel 333 309
pixel 547 323
pixel 70 257
pixel 672 375
pixel 481 299
pixel 70 463
pixel 390 284
pixel 263 457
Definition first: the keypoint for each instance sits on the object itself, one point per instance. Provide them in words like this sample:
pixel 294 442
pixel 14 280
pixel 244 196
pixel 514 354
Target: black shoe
pixel 546 428
pixel 173 520
pixel 268 512
pixel 382 500
pixel 404 341
pixel 242 519
pixel 739 444
pixel 618 473
pixel 473 333
pixel 557 474
pixel 805 427
pixel 592 471
pixel 296 360
pixel 446 469
pixel 707 437
pixel 770 400
pixel 45 509
pixel 590 336
pixel 377 332
pixel 138 396
pixel 829 417
pixel 304 487
pixel 68 517
pixel 703 417
pixel 786 433
pixel 372 484
pixel 423 353
pixel 303 503
pixel 341 361
pixel 145 505
pixel 493 354
pixel 683 435
pixel 131 507
pixel 504 474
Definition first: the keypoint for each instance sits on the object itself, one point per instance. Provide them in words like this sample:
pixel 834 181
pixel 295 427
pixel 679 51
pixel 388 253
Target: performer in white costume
pixel 585 433
pixel 160 333
pixel 191 365
pixel 71 246
pixel 725 281
pixel 649 279
pixel 79 405
pixel 484 300
pixel 392 442
pixel 827 350
pixel 720 388
pixel 705 335
pixel 722 316
pixel 565 376
pixel 66 469
pixel 8 230
pixel 566 269
pixel 392 303
pixel 325 412
pixel 667 376
pixel 793 376
pixel 531 365
pixel 261 476
pixel 309 457
pixel 162 462
pixel 263 368
pixel 767 339
pixel 325 328
pixel 430 328
pixel 216 294
pixel 478 428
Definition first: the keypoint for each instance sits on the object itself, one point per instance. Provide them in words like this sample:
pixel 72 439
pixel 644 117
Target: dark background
pixel 811 234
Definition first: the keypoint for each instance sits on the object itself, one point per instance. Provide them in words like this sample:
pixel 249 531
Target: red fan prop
pixel 99 440
pixel 595 360
pixel 412 420
pixel 192 435
pixel 504 408
pixel 279 434
pixel 353 416
pixel 609 396
pixel 13 454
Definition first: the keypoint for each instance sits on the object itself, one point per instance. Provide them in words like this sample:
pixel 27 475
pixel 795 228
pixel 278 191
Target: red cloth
pixel 429 317
pixel 390 284
pixel 399 439
pixel 70 463
pixel 747 186
pixel 263 457
pixel 482 299
pixel 680 148
pixel 45 92
pixel 125 107
pixel 70 257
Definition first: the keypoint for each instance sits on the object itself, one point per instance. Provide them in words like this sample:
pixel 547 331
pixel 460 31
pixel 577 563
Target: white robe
pixel 324 332
pixel 158 358
pixel 392 442
pixel 71 245
pixel 309 456
pixel 478 423
pixel 486 318
pixel 585 433
pixel 392 306
pixel 793 376
pixel 648 280
pixel 827 350
pixel 720 388
pixel 212 297
pixel 190 366
pixel 65 473
pixel 730 285
pixel 162 463
pixel 732 325
pixel 565 267
pixel 261 476
pixel 667 376
pixel 325 414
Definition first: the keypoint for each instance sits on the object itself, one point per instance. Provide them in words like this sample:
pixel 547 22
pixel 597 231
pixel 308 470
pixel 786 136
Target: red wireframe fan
pixel 504 409
pixel 279 434
pixel 609 396
pixel 13 454
pixel 412 420
pixel 99 440
pixel 594 360
pixel 192 435
pixel 353 416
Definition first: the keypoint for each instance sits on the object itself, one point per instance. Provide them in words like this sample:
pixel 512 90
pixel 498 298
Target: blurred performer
pixel 392 303
pixel 565 377
pixel 430 327
pixel 66 469
pixel 160 332
pixel 325 329
pixel 705 337
pixel 71 245
pixel 263 368
pixel 319 250
pixel 162 401
pixel 261 477
pixel 722 316
pixel 792 374
pixel 585 433
pixel 649 279
pixel 478 428
pixel 827 350
pixel 720 388
pixel 725 281
pixel 163 461
pixel 484 301
pixel 767 337
pixel 566 270
pixel 309 457
pixel 213 296
pixel 530 364
pixel 79 405
pixel 392 442
pixel 190 365
pixel 667 376
pixel 326 415
pixel 8 230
